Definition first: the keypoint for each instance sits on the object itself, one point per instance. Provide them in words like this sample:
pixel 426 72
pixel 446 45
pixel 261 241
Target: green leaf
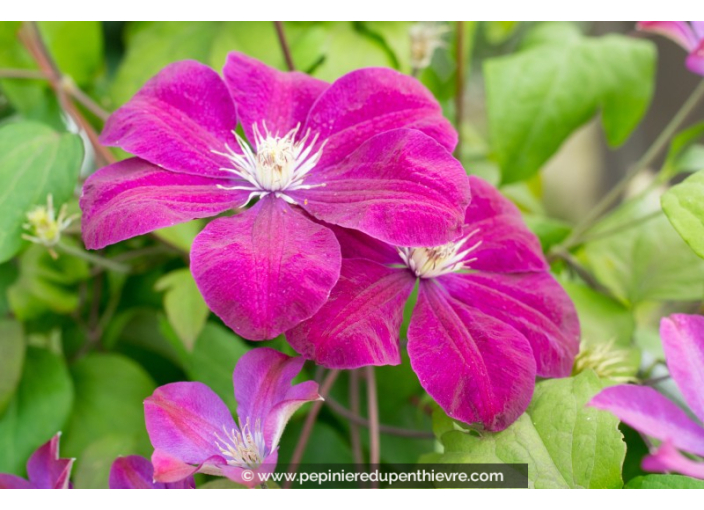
pixel 213 360
pixel 564 443
pixel 646 262
pixel 110 390
pixel 683 154
pixel 184 305
pixel 684 206
pixel 664 482
pixel 38 410
pixel 92 469
pixel 12 347
pixel 76 46
pixel 34 161
pixel 559 80
pixel 46 284
pixel 497 32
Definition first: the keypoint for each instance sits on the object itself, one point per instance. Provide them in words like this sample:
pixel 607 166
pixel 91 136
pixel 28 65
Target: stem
pixel 93 259
pixel 373 410
pixel 33 42
pixel 355 418
pixel 86 101
pixel 585 275
pixel 355 438
pixel 325 388
pixel 658 145
pixel 284 45
pixel 622 227
pixel 22 74
pixel 459 95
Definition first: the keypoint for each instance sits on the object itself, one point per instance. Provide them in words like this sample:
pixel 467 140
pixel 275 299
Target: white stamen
pixel 278 163
pixel 243 448
pixel 439 260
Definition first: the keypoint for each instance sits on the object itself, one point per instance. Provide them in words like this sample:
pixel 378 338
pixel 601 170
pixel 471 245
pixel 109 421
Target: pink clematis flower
pixel 192 430
pixel 647 411
pixel 689 35
pixel 136 472
pixel 367 152
pixel 44 468
pixel 489 316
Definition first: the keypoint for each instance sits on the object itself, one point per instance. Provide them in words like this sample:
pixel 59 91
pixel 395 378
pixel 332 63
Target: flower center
pixel 278 163
pixel 439 260
pixel 245 448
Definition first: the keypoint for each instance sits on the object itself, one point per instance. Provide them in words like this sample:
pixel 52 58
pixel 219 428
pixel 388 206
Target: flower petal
pixel 399 186
pixel 476 368
pixel 134 197
pixel 172 471
pixel 357 245
pixel 507 245
pixel 360 323
pixel 136 472
pixel 265 270
pixel 46 470
pixel 667 460
pixel 176 120
pixel 683 341
pixel 695 60
pixel 264 94
pixel 649 412
pixel 369 101
pixel 184 420
pixel 260 474
pixel 678 31
pixel 533 303
pixel 262 381
pixel 13 482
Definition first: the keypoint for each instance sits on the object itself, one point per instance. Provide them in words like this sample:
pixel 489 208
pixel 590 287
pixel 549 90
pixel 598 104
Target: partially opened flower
pixel 689 35
pixel 45 470
pixel 367 152
pixel 489 316
pixel 647 411
pixel 192 430
pixel 136 472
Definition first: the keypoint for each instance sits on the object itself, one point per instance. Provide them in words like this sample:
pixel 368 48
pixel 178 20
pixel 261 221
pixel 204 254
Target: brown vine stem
pixel 373 410
pixel 21 74
pixel 31 38
pixel 284 45
pixel 355 438
pixel 355 418
pixel 297 456
pixel 459 93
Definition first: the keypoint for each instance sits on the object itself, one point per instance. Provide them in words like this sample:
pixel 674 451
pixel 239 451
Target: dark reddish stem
pixel 284 45
pixel 373 410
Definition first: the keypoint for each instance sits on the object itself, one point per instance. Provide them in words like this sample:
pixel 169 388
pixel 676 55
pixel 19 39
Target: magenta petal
pixel 134 197
pixel 357 245
pixel 183 421
pixel 678 31
pixel 506 244
pixel 46 470
pixel 476 368
pixel 668 460
pixel 399 186
pixel 266 269
pixel 176 120
pixel 649 412
pixel 13 482
pixel 266 95
pixel 683 341
pixel 135 472
pixel 262 381
pixel 533 303
pixel 360 323
pixel 369 101
pixel 695 60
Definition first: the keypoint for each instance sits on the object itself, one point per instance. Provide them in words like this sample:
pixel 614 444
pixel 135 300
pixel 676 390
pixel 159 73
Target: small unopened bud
pixel 607 362
pixel 44 226
pixel 426 37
